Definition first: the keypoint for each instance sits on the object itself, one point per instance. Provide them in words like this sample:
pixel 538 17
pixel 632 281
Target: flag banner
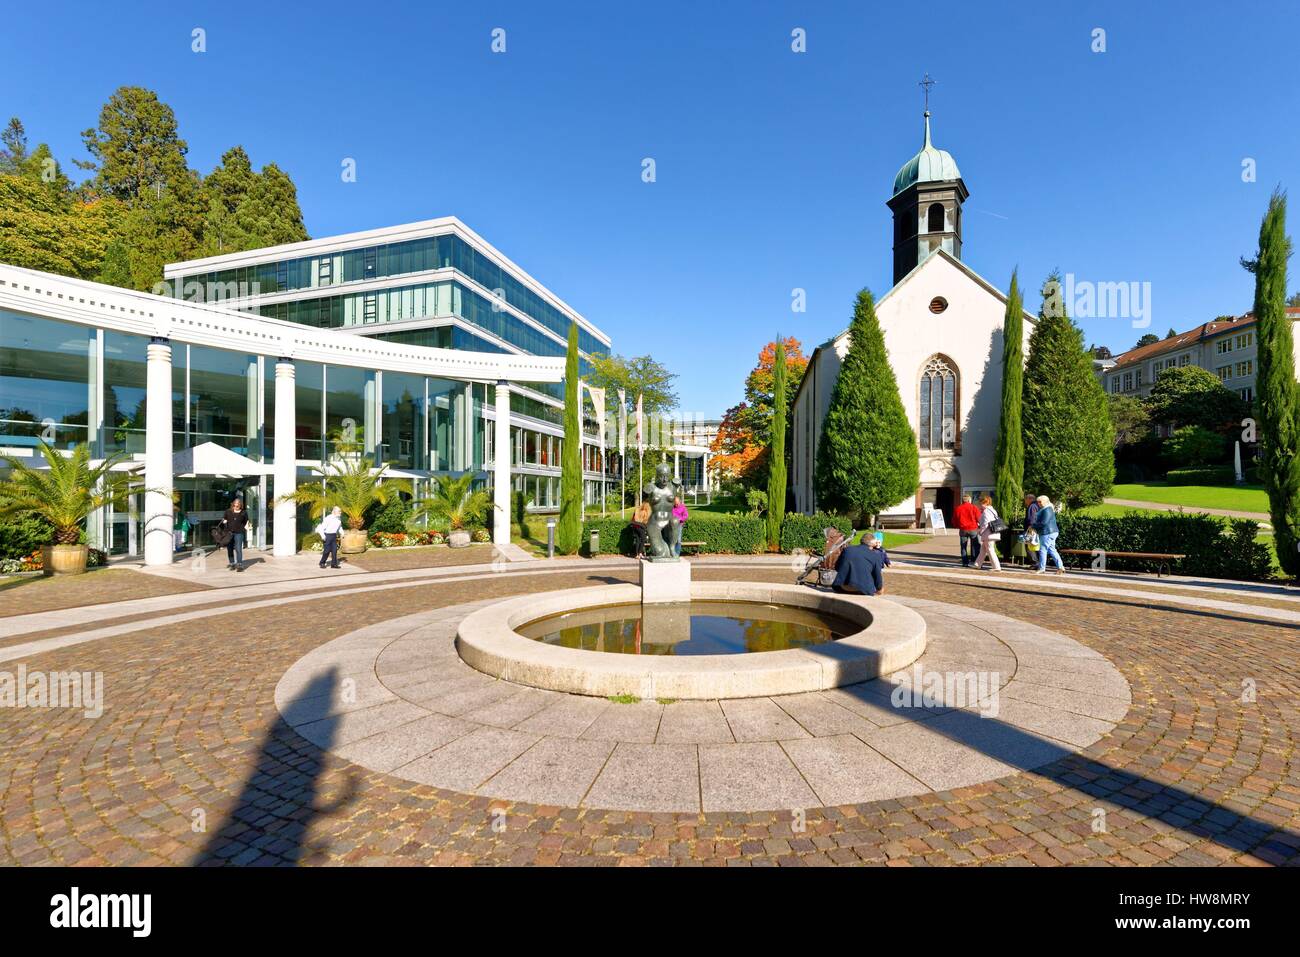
pixel 622 420
pixel 598 400
pixel 639 418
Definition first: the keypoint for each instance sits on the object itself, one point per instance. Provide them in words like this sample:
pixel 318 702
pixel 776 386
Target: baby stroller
pixel 819 570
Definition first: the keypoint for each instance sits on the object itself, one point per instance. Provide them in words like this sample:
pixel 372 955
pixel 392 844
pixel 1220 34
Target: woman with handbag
pixel 640 519
pixel 990 528
pixel 235 523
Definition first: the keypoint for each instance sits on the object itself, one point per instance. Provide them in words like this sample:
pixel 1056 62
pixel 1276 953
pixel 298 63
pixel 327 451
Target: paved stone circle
pixel 396 698
pixel 890 636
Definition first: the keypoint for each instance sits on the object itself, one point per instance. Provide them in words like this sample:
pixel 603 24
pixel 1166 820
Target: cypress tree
pixel 776 451
pixel 1069 439
pixel 867 455
pixel 568 536
pixel 1279 396
pixel 1009 457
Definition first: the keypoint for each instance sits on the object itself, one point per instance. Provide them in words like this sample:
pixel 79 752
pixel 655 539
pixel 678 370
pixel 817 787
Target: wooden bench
pixel 1162 559
pixel 686 545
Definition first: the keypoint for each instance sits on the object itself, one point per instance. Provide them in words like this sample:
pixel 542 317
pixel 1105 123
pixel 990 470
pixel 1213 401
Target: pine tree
pixel 866 459
pixel 568 536
pixel 13 147
pixel 270 212
pixel 776 456
pixel 1069 439
pixel 1279 395
pixel 1009 457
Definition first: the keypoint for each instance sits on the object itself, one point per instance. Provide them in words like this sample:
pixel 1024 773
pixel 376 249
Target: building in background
pixel 692 442
pixel 261 362
pixel 438 284
pixel 1225 347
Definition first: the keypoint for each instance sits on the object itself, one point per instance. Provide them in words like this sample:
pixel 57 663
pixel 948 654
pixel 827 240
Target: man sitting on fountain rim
pixel 859 570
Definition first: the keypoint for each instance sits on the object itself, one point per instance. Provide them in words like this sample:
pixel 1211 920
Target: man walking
pixel 330 528
pixel 967 516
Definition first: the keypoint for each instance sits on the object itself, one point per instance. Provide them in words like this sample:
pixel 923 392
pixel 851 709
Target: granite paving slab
pixel 415 711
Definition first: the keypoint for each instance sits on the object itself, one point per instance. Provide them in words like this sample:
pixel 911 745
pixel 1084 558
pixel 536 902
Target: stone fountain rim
pixel 892 636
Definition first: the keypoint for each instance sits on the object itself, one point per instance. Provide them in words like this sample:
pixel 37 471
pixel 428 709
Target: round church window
pixel 938 304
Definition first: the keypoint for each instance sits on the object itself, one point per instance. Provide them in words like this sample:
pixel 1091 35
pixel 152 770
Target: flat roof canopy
pixel 85 303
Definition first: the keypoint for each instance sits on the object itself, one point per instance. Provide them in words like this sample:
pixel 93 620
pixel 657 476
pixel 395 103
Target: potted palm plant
pixel 353 484
pixel 64 494
pixel 457 502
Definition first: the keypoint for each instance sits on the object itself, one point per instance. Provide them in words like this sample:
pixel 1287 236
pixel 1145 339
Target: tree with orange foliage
pixel 740 450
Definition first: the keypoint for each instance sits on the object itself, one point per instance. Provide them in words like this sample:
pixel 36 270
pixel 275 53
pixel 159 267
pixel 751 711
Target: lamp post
pixel 550 538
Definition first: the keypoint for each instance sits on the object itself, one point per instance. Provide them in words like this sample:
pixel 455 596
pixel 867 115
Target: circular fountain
pixel 669 637
pixel 605 641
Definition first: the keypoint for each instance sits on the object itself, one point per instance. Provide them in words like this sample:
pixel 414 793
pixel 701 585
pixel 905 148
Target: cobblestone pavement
pixel 32 593
pixel 190 762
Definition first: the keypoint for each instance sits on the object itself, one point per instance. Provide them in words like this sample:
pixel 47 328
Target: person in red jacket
pixel 967 517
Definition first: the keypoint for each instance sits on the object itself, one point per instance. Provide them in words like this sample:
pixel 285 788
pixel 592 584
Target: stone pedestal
pixel 665 581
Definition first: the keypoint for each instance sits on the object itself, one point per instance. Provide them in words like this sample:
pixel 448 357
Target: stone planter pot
pixel 65 559
pixel 458 538
pixel 354 541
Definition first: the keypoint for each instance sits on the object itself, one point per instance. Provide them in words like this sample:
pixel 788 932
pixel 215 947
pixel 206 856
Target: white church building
pixel 942 325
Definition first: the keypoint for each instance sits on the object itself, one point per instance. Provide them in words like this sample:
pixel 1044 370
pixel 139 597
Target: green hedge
pixel 806 531
pixel 391 518
pixel 729 534
pixel 23 534
pixel 1219 475
pixel 1215 547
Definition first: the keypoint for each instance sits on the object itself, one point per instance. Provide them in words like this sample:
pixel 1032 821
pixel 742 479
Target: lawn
pixel 1113 511
pixel 1243 498
pixel 892 539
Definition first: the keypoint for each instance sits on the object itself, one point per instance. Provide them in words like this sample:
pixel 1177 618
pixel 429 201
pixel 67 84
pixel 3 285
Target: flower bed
pixel 35 562
pixel 406 539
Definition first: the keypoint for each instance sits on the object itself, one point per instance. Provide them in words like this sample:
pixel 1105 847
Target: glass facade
pixel 392 260
pixel 426 301
pixel 72 384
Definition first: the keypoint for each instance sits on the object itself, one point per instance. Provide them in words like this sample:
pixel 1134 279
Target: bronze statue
pixel 663 529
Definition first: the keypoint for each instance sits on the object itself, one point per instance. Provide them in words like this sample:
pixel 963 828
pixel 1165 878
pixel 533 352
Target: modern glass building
pixel 212 401
pixel 436 284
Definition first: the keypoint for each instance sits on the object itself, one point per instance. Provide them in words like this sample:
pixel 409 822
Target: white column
pixel 677 467
pixel 158 542
pixel 286 459
pixel 501 468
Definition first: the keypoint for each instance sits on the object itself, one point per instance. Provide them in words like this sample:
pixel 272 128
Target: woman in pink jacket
pixel 681 515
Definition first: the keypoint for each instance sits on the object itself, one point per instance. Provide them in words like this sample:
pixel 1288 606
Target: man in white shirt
pixel 330 528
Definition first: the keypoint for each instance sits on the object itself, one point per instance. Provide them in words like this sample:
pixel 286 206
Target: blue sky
pixel 773 167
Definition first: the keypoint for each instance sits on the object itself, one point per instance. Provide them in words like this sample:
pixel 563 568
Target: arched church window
pixel 935 215
pixel 937 421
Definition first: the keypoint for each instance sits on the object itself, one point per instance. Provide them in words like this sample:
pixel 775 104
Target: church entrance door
pixel 945 500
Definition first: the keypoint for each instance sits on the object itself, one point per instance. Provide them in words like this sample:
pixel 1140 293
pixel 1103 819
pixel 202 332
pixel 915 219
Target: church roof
pixel 931 165
pixel 938 254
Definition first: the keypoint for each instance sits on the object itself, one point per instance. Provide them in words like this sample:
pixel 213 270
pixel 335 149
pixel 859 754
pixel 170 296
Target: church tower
pixel 928 193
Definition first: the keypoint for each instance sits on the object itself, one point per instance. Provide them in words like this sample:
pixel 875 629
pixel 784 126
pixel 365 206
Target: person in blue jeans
pixel 236 522
pixel 1047 529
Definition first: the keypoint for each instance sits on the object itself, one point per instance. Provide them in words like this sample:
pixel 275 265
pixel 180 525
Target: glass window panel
pixel 403 421
pixel 345 406
pixel 124 392
pixel 45 374
pixel 222 405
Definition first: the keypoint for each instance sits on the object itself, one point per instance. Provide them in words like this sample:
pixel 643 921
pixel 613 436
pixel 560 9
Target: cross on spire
pixel 925 84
